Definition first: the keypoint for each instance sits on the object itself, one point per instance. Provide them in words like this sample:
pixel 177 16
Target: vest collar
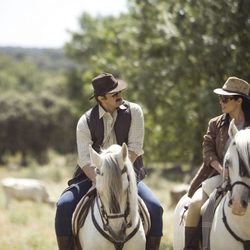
pixel 102 111
pixel 123 107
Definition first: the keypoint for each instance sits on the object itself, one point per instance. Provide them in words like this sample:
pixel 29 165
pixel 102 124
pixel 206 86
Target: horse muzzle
pixel 238 207
pixel 239 198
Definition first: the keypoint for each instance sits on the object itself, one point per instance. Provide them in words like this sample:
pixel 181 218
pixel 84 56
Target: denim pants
pixel 69 199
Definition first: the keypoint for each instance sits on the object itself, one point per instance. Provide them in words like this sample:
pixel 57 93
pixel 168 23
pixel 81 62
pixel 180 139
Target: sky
pixel 44 23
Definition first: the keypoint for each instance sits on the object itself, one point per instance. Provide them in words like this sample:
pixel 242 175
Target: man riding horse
pixel 111 121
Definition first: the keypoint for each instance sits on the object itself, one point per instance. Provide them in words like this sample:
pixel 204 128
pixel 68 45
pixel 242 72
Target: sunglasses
pixel 225 98
pixel 116 94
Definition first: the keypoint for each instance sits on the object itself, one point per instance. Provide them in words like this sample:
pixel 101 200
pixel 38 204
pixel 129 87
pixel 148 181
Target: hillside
pixel 52 60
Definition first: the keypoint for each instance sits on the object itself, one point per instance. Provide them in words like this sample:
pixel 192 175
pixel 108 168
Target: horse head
pixel 237 160
pixel 116 189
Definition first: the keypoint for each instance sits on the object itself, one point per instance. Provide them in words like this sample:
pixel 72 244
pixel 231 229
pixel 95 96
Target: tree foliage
pixel 172 53
pixel 31 124
pixel 35 114
pixel 190 47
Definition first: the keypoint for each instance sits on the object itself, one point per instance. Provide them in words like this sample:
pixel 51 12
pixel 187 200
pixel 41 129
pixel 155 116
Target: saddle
pixel 84 205
pixel 208 215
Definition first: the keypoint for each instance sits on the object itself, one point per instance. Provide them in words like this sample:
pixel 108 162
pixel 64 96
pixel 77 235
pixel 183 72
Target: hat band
pixel 235 91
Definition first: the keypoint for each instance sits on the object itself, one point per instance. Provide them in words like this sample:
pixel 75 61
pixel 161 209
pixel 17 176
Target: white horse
pixel 230 226
pixel 113 222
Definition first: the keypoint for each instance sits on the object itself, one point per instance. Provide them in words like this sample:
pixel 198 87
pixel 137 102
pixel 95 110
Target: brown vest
pixel 96 127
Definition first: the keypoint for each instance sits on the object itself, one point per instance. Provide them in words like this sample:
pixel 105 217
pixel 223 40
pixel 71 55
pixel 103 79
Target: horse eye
pixel 227 162
pixel 98 172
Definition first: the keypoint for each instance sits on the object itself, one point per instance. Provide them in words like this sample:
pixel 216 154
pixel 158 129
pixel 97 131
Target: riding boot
pixel 153 243
pixel 192 238
pixel 66 242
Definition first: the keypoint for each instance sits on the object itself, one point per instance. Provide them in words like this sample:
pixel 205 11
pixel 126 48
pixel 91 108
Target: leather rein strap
pixel 246 243
pixel 118 245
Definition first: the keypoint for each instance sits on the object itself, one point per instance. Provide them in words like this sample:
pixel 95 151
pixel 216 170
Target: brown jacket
pixel 213 149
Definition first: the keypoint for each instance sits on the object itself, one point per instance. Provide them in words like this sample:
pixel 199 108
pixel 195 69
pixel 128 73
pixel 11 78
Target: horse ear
pixel 124 151
pixel 94 157
pixel 121 157
pixel 232 129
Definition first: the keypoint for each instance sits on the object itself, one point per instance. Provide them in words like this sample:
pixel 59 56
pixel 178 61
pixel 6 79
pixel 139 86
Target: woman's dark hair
pixel 245 107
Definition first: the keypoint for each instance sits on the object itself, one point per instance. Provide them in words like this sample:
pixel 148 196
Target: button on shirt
pixel 135 136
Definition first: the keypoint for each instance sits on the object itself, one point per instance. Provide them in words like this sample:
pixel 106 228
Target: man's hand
pixel 132 156
pixel 89 170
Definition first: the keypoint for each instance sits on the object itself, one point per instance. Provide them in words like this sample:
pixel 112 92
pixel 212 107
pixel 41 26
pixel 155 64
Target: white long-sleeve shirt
pixel 135 136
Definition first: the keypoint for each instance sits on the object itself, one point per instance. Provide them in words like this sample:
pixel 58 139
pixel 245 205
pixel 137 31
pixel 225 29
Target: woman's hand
pixel 225 174
pixel 217 166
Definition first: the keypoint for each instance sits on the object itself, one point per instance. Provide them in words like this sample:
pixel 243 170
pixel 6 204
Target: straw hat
pixel 234 86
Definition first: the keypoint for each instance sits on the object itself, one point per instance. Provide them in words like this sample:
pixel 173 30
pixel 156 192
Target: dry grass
pixel 30 226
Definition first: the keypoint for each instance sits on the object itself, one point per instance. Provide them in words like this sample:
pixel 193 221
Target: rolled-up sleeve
pixel 136 132
pixel 83 139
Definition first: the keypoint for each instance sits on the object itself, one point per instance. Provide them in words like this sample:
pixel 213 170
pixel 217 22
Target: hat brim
pixel 220 91
pixel 120 86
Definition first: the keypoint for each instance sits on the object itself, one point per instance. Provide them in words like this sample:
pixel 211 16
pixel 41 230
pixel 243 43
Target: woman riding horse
pixel 235 104
pixel 230 226
pixel 227 215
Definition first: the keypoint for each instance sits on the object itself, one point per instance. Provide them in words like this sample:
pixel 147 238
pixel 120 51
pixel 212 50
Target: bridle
pixel 106 217
pixel 246 243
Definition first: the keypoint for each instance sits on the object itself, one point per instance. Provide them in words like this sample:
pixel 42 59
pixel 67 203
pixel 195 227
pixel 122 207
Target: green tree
pixel 188 48
pixel 31 124
pixel 173 54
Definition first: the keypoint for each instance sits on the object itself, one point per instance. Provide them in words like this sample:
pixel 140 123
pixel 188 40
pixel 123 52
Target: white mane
pixel 242 141
pixel 113 181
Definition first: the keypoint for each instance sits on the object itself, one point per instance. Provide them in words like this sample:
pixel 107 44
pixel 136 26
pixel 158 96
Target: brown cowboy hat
pixel 234 86
pixel 106 83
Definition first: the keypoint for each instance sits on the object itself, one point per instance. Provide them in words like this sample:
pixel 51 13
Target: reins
pixel 105 217
pixel 118 245
pixel 240 183
pixel 246 243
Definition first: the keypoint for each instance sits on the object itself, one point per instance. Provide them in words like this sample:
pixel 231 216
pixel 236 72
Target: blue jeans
pixel 69 199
